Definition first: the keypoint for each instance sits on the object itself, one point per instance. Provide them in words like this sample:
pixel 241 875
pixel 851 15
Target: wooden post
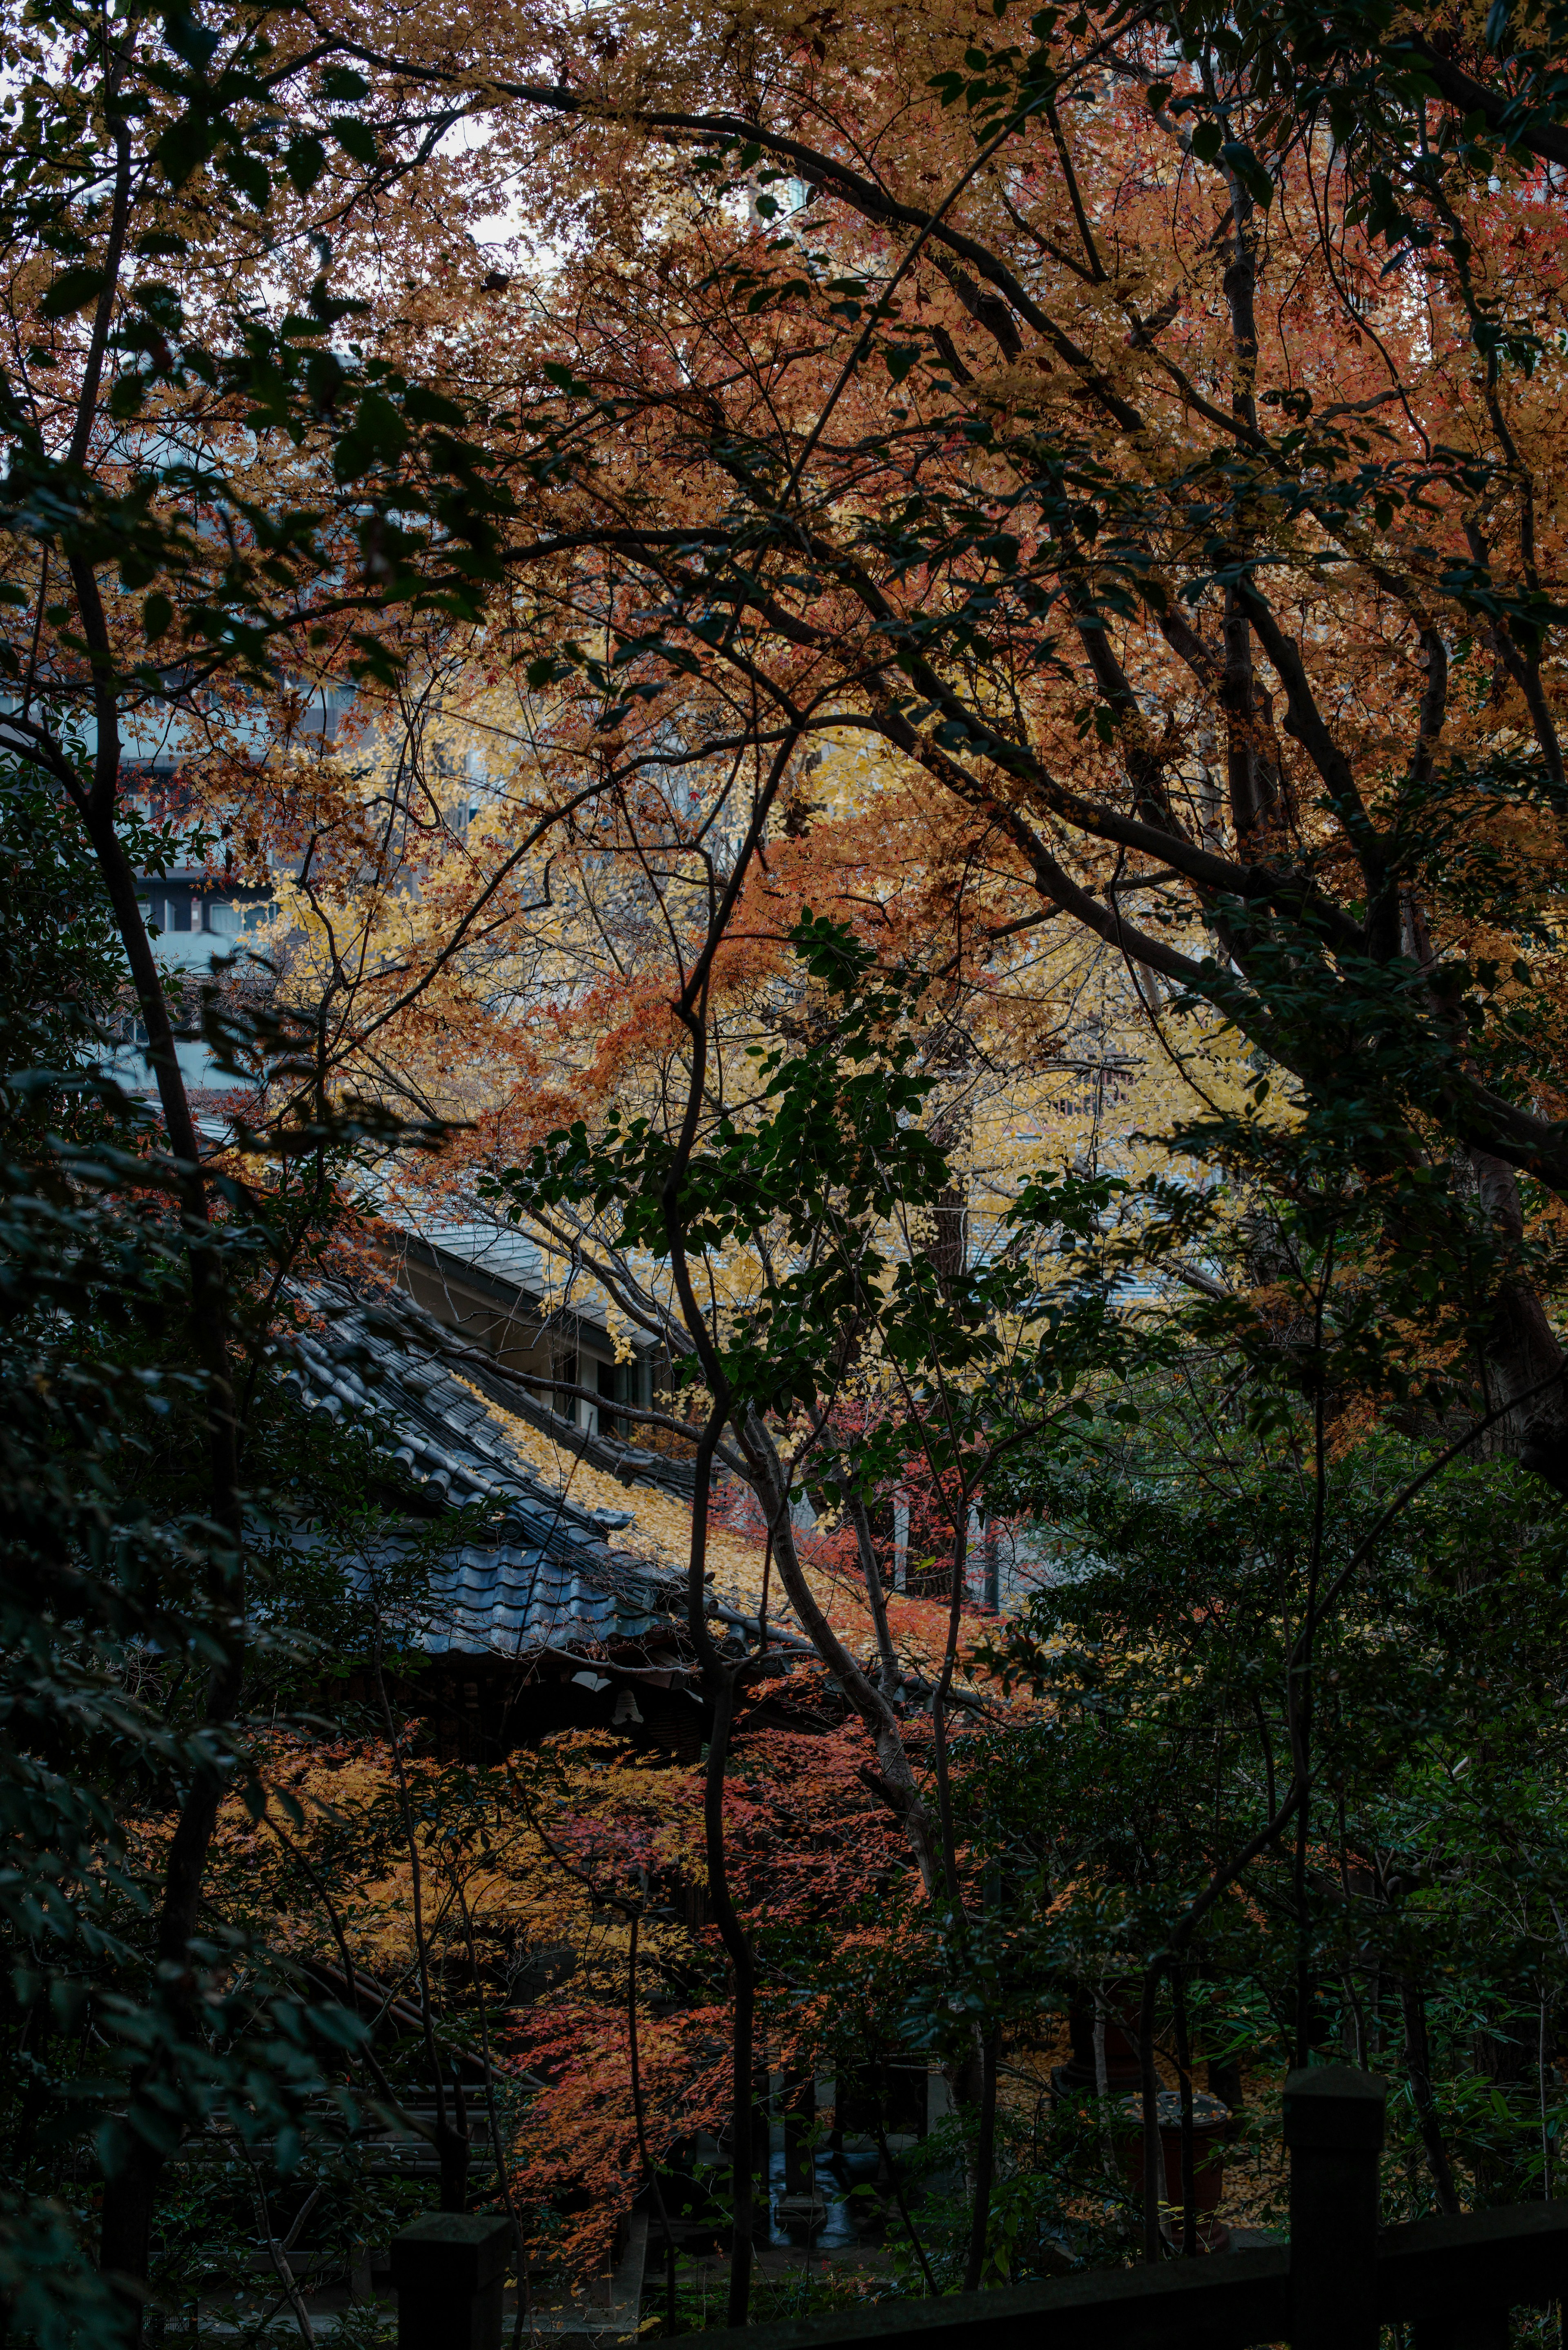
pixel 1334 2118
pixel 449 2269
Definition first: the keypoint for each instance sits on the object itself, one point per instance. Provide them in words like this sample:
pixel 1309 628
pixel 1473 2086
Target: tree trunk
pixel 1521 1349
pixel 125 2229
pixel 984 2160
pixel 130 2194
pixel 898 1778
pixel 454 2155
pixel 1418 2059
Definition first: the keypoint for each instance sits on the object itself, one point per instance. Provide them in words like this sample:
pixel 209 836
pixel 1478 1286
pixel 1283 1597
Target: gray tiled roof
pixel 498 1249
pixel 516 1601
pixel 553 1581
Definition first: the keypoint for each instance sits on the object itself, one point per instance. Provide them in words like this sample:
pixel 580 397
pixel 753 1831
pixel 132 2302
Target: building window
pixel 223 916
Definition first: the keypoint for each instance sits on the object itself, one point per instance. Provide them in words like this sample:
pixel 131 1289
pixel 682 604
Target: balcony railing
pixel 1448 2285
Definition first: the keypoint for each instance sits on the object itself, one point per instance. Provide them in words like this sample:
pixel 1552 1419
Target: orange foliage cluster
pixel 539 1863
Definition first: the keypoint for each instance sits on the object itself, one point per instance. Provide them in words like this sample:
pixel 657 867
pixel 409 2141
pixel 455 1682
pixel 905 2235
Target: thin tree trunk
pixel 744 1966
pixel 453 2151
pixel 1522 1347
pixel 939 1702
pixel 892 2170
pixel 1418 2058
pixel 131 2193
pixel 1103 2094
pixel 279 2247
pixel 1545 2130
pixel 771 1486
pixel 719 1681
pixel 639 2111
pixel 1184 2079
pixel 984 2161
pixel 876 1597
pixel 490 2103
pixel 1153 2152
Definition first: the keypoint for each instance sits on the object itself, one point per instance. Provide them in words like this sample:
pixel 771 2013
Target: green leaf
pixel 1207 141
pixel 72 290
pixel 157 613
pixel 183 145
pixel 305 161
pixel 427 407
pixel 357 139
pixel 377 433
pixel 188 40
pixel 249 174
pixel 372 661
pixel 1241 161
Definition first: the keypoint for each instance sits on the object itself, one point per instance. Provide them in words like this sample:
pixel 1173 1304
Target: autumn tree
pixel 1145 430
pixel 1132 441
pixel 164 570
